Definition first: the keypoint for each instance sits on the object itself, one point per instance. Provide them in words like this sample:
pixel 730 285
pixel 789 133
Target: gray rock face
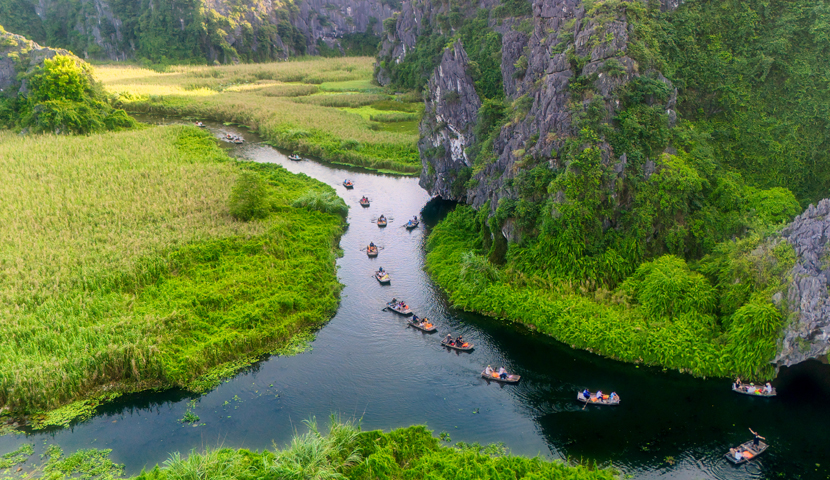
pixel 447 126
pixel 326 20
pixel 539 132
pixel 808 334
pixel 18 55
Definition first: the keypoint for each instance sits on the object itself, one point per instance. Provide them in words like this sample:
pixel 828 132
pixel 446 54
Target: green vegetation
pixel 123 268
pixel 60 95
pixel 344 452
pixel 269 98
pixel 671 260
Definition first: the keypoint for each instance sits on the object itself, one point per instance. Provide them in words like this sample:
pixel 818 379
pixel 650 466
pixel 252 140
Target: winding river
pixel 366 363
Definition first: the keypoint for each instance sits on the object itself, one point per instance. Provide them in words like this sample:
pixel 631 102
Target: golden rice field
pixel 121 268
pixel 299 105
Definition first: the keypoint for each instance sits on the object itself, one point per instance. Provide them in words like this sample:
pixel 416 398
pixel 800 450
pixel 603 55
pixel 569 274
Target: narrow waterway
pixel 366 363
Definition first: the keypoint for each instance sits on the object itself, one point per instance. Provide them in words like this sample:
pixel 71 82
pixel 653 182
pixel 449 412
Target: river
pixel 365 363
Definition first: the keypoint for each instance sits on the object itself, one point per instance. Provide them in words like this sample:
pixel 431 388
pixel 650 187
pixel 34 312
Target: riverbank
pixel 661 315
pixel 343 452
pixel 325 108
pixel 123 269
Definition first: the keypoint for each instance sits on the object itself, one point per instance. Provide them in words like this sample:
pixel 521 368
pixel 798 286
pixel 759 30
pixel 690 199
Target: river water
pixel 365 363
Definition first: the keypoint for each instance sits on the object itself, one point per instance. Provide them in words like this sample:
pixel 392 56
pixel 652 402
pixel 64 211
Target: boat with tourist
pixel 382 277
pixel 598 398
pixel 500 376
pixel 399 306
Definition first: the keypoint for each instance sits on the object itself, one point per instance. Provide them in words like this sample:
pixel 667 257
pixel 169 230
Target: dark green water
pixel 366 363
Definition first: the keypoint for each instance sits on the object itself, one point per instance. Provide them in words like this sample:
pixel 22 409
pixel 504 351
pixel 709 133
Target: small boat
pixel 372 251
pixel 348 184
pixel 364 202
pixel 465 347
pixel 512 379
pixel 425 325
pixel 412 224
pixel 382 221
pixel 200 124
pixel 383 277
pixel 752 390
pixel 393 305
pixel 295 157
pixel 237 140
pixel 748 452
pixel 593 400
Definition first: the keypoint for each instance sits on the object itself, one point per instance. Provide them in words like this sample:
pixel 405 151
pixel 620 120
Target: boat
pixel 426 327
pixel 348 184
pixel 752 390
pixel 364 202
pixel 382 221
pixel 237 140
pixel 748 452
pixel 372 251
pixel 295 157
pixel 200 124
pixel 511 379
pixel 465 347
pixel 412 224
pixel 393 305
pixel 594 401
pixel 383 277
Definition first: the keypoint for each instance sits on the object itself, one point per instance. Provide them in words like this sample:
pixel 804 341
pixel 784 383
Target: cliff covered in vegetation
pixel 162 31
pixel 630 158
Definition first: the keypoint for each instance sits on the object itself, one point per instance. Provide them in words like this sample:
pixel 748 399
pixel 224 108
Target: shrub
pixel 248 198
pixel 327 202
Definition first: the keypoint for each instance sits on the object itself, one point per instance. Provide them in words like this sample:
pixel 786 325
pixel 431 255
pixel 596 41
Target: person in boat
pixel 736 454
pixel 448 340
pixel 380 269
pixel 614 397
pixel 371 244
pixel 599 395
pixel 768 388
pixel 459 341
pixel 587 394
pixel 426 323
pixel 487 371
pixel 757 439
pixel 502 373
pixel 738 382
pixel 750 389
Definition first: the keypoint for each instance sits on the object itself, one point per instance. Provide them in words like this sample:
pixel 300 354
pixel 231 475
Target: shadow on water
pixel 366 363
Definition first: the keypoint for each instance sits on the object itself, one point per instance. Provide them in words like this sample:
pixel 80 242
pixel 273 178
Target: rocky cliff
pixel 19 55
pixel 807 335
pixel 217 30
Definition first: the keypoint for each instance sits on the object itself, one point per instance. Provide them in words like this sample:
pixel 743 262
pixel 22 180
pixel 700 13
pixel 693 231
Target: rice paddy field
pixel 326 108
pixel 121 268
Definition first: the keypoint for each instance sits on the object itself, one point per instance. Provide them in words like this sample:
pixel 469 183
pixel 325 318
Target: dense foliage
pixel 122 266
pixel 344 452
pixel 61 97
pixel 637 212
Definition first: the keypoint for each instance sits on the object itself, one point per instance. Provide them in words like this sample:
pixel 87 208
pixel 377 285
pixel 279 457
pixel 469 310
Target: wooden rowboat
pixel 382 222
pixel 468 348
pixel 364 202
pixel 393 306
pixel 372 251
pixel 348 184
pixel 383 278
pixel 295 157
pixel 418 326
pixel 594 401
pixel 511 379
pixel 410 225
pixel 238 141
pixel 748 452
pixel 753 391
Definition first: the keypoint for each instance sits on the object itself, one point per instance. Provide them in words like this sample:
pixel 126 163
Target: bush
pixel 327 202
pixel 248 198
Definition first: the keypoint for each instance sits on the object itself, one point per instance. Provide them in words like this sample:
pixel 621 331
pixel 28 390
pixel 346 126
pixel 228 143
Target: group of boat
pixel 234 138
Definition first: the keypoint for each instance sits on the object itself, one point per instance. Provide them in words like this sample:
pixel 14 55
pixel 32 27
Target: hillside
pixel 199 31
pixel 618 140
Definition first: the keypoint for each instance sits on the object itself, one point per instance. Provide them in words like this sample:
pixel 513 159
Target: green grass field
pixel 296 105
pixel 122 269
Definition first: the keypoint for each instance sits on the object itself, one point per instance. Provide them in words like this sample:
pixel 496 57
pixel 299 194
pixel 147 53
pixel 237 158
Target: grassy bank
pixel 713 320
pixel 344 452
pixel 122 268
pixel 316 106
